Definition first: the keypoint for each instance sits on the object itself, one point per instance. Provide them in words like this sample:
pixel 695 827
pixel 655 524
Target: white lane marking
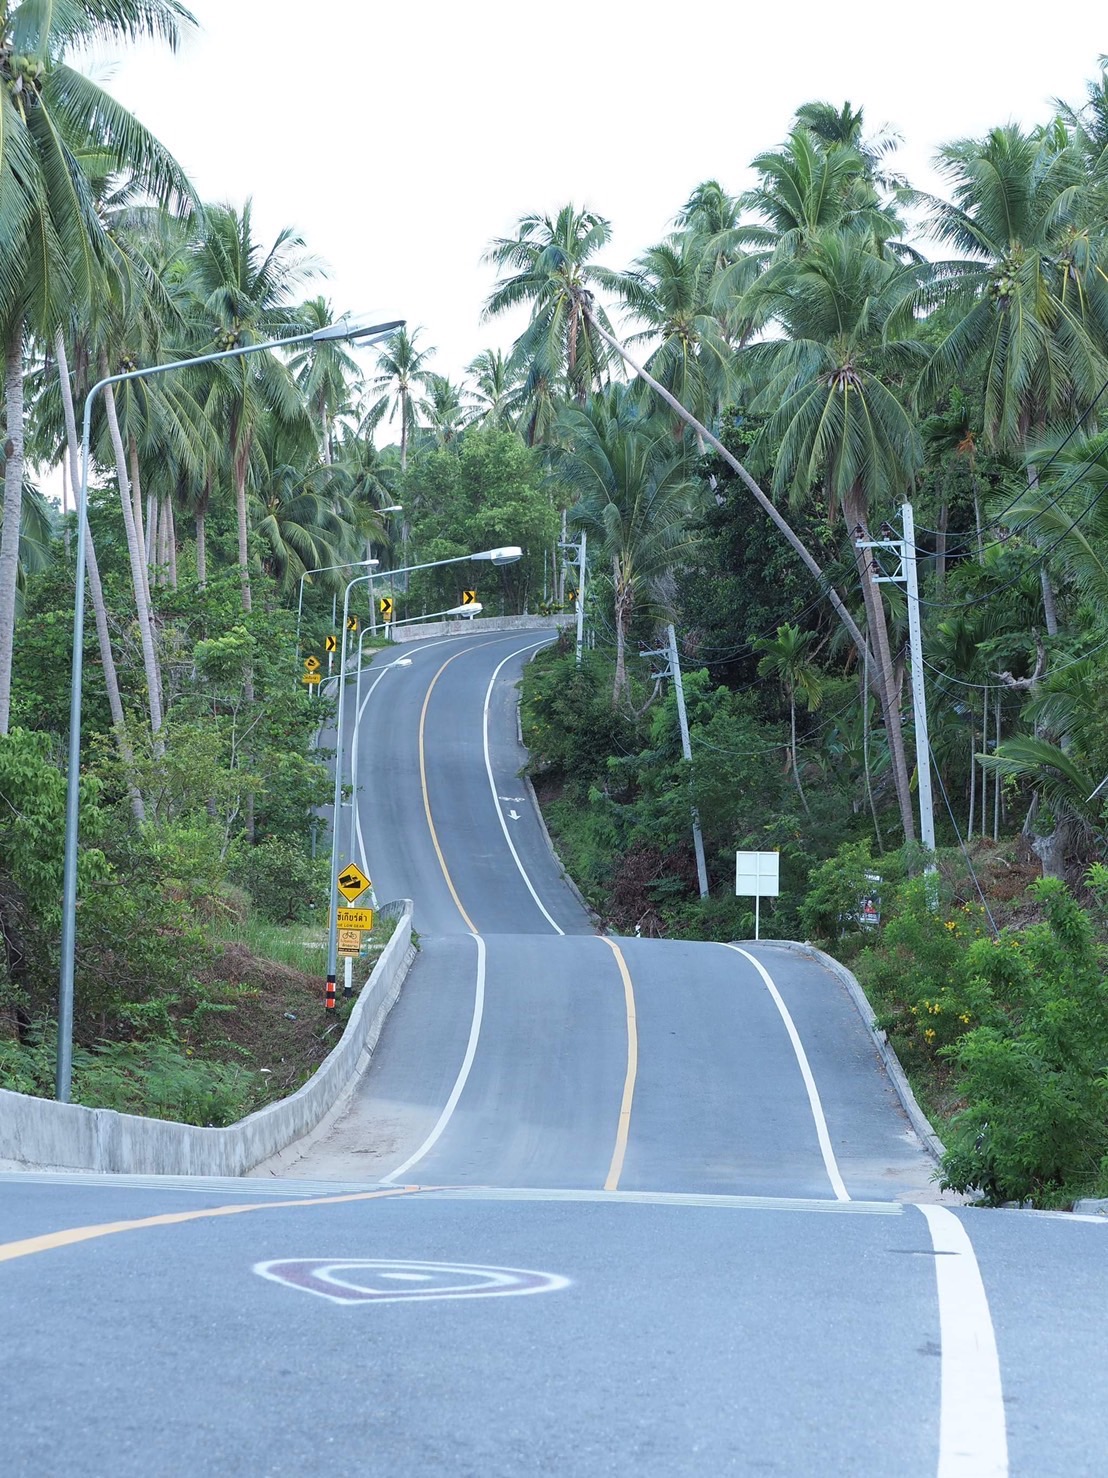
pixel 492 785
pixel 463 1073
pixel 829 1161
pixel 973 1438
pixel 666 1198
pixel 355 747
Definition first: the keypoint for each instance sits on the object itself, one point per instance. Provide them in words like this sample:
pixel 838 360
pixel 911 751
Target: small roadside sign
pixel 384 605
pixel 331 644
pixel 311 678
pixel 350 942
pixel 354 918
pixel 352 882
pixel 311 664
pixel 351 623
pixel 469 597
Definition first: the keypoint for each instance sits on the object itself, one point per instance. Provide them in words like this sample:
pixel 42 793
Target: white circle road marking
pixel 359 1279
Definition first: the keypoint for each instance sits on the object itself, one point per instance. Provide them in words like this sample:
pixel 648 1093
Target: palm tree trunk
pixel 136 504
pixel 972 781
pixel 151 533
pixel 136 554
pixel 96 591
pixel 795 766
pixel 171 540
pixel 623 616
pixel 13 511
pixel 795 543
pixel 1050 609
pixel 201 519
pixel 240 461
pixel 163 541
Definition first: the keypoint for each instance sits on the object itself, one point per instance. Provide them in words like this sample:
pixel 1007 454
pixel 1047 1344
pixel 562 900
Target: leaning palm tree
pixel 54 250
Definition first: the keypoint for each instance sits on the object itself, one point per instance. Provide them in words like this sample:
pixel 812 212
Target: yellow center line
pixel 615 1169
pixel 426 797
pixel 49 1241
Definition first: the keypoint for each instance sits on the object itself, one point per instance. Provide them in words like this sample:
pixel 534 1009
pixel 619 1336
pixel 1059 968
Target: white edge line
pixel 492 784
pixel 829 1161
pixel 973 1437
pixel 463 1073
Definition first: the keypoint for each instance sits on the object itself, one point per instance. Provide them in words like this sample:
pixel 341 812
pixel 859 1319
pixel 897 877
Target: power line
pixel 988 687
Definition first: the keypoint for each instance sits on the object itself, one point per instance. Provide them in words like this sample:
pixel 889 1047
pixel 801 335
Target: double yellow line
pixel 615 1169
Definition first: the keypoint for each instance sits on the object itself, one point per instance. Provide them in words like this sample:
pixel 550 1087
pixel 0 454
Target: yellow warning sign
pixel 469 597
pixel 311 664
pixel 330 643
pixel 384 605
pixel 352 882
pixel 310 677
pixel 354 918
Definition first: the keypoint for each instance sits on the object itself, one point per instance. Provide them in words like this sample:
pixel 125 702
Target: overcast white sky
pixel 400 139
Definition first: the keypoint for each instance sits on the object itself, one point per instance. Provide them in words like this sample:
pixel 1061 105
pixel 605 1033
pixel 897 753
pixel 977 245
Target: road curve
pixel 599 1206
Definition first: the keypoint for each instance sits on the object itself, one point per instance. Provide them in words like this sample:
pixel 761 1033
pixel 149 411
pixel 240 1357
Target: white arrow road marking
pixel 514 815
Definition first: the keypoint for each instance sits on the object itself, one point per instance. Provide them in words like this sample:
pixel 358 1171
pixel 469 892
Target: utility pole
pixel 579 550
pixel 906 574
pixel 674 671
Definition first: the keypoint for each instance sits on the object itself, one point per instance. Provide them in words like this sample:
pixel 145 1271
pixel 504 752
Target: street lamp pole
pixel 502 556
pixel 349 564
pixel 338 330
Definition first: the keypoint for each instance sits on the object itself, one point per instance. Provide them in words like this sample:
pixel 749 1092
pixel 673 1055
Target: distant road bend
pixel 685 1156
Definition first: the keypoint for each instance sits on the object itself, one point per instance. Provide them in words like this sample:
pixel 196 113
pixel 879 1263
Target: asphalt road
pixel 599 1206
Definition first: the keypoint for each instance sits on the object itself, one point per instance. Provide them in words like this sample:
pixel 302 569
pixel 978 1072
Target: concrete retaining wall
pixel 39 1131
pixel 466 625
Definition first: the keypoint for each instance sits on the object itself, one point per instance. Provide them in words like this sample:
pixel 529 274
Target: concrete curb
pixel 39 1131
pixel 916 1116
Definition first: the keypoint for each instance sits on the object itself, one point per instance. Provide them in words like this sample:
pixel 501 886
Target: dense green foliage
pixel 805 367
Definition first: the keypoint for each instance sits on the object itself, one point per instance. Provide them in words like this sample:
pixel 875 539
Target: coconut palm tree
pixel 242 294
pixel 1027 287
pixel 548 262
pixel 787 657
pixel 834 418
pixel 672 289
pixel 496 395
pixel 54 250
pixel 635 499
pixel 402 368
pixel 326 373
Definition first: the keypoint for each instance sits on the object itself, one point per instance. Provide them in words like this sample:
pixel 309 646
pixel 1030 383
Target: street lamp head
pixel 473 609
pixel 392 508
pixel 348 328
pixel 506 556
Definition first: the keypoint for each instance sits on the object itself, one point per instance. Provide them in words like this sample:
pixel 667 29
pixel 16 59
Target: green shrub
pixel 285 884
pixel 162 1082
pixel 1035 1076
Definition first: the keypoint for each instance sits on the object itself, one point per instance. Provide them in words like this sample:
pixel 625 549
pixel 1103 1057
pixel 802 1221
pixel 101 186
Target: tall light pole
pixel 342 329
pixel 503 556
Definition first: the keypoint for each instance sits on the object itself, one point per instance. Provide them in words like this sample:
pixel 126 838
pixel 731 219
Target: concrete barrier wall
pixel 465 625
pixel 39 1131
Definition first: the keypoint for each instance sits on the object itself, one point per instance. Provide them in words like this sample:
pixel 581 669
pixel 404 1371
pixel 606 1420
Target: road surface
pixel 599 1206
